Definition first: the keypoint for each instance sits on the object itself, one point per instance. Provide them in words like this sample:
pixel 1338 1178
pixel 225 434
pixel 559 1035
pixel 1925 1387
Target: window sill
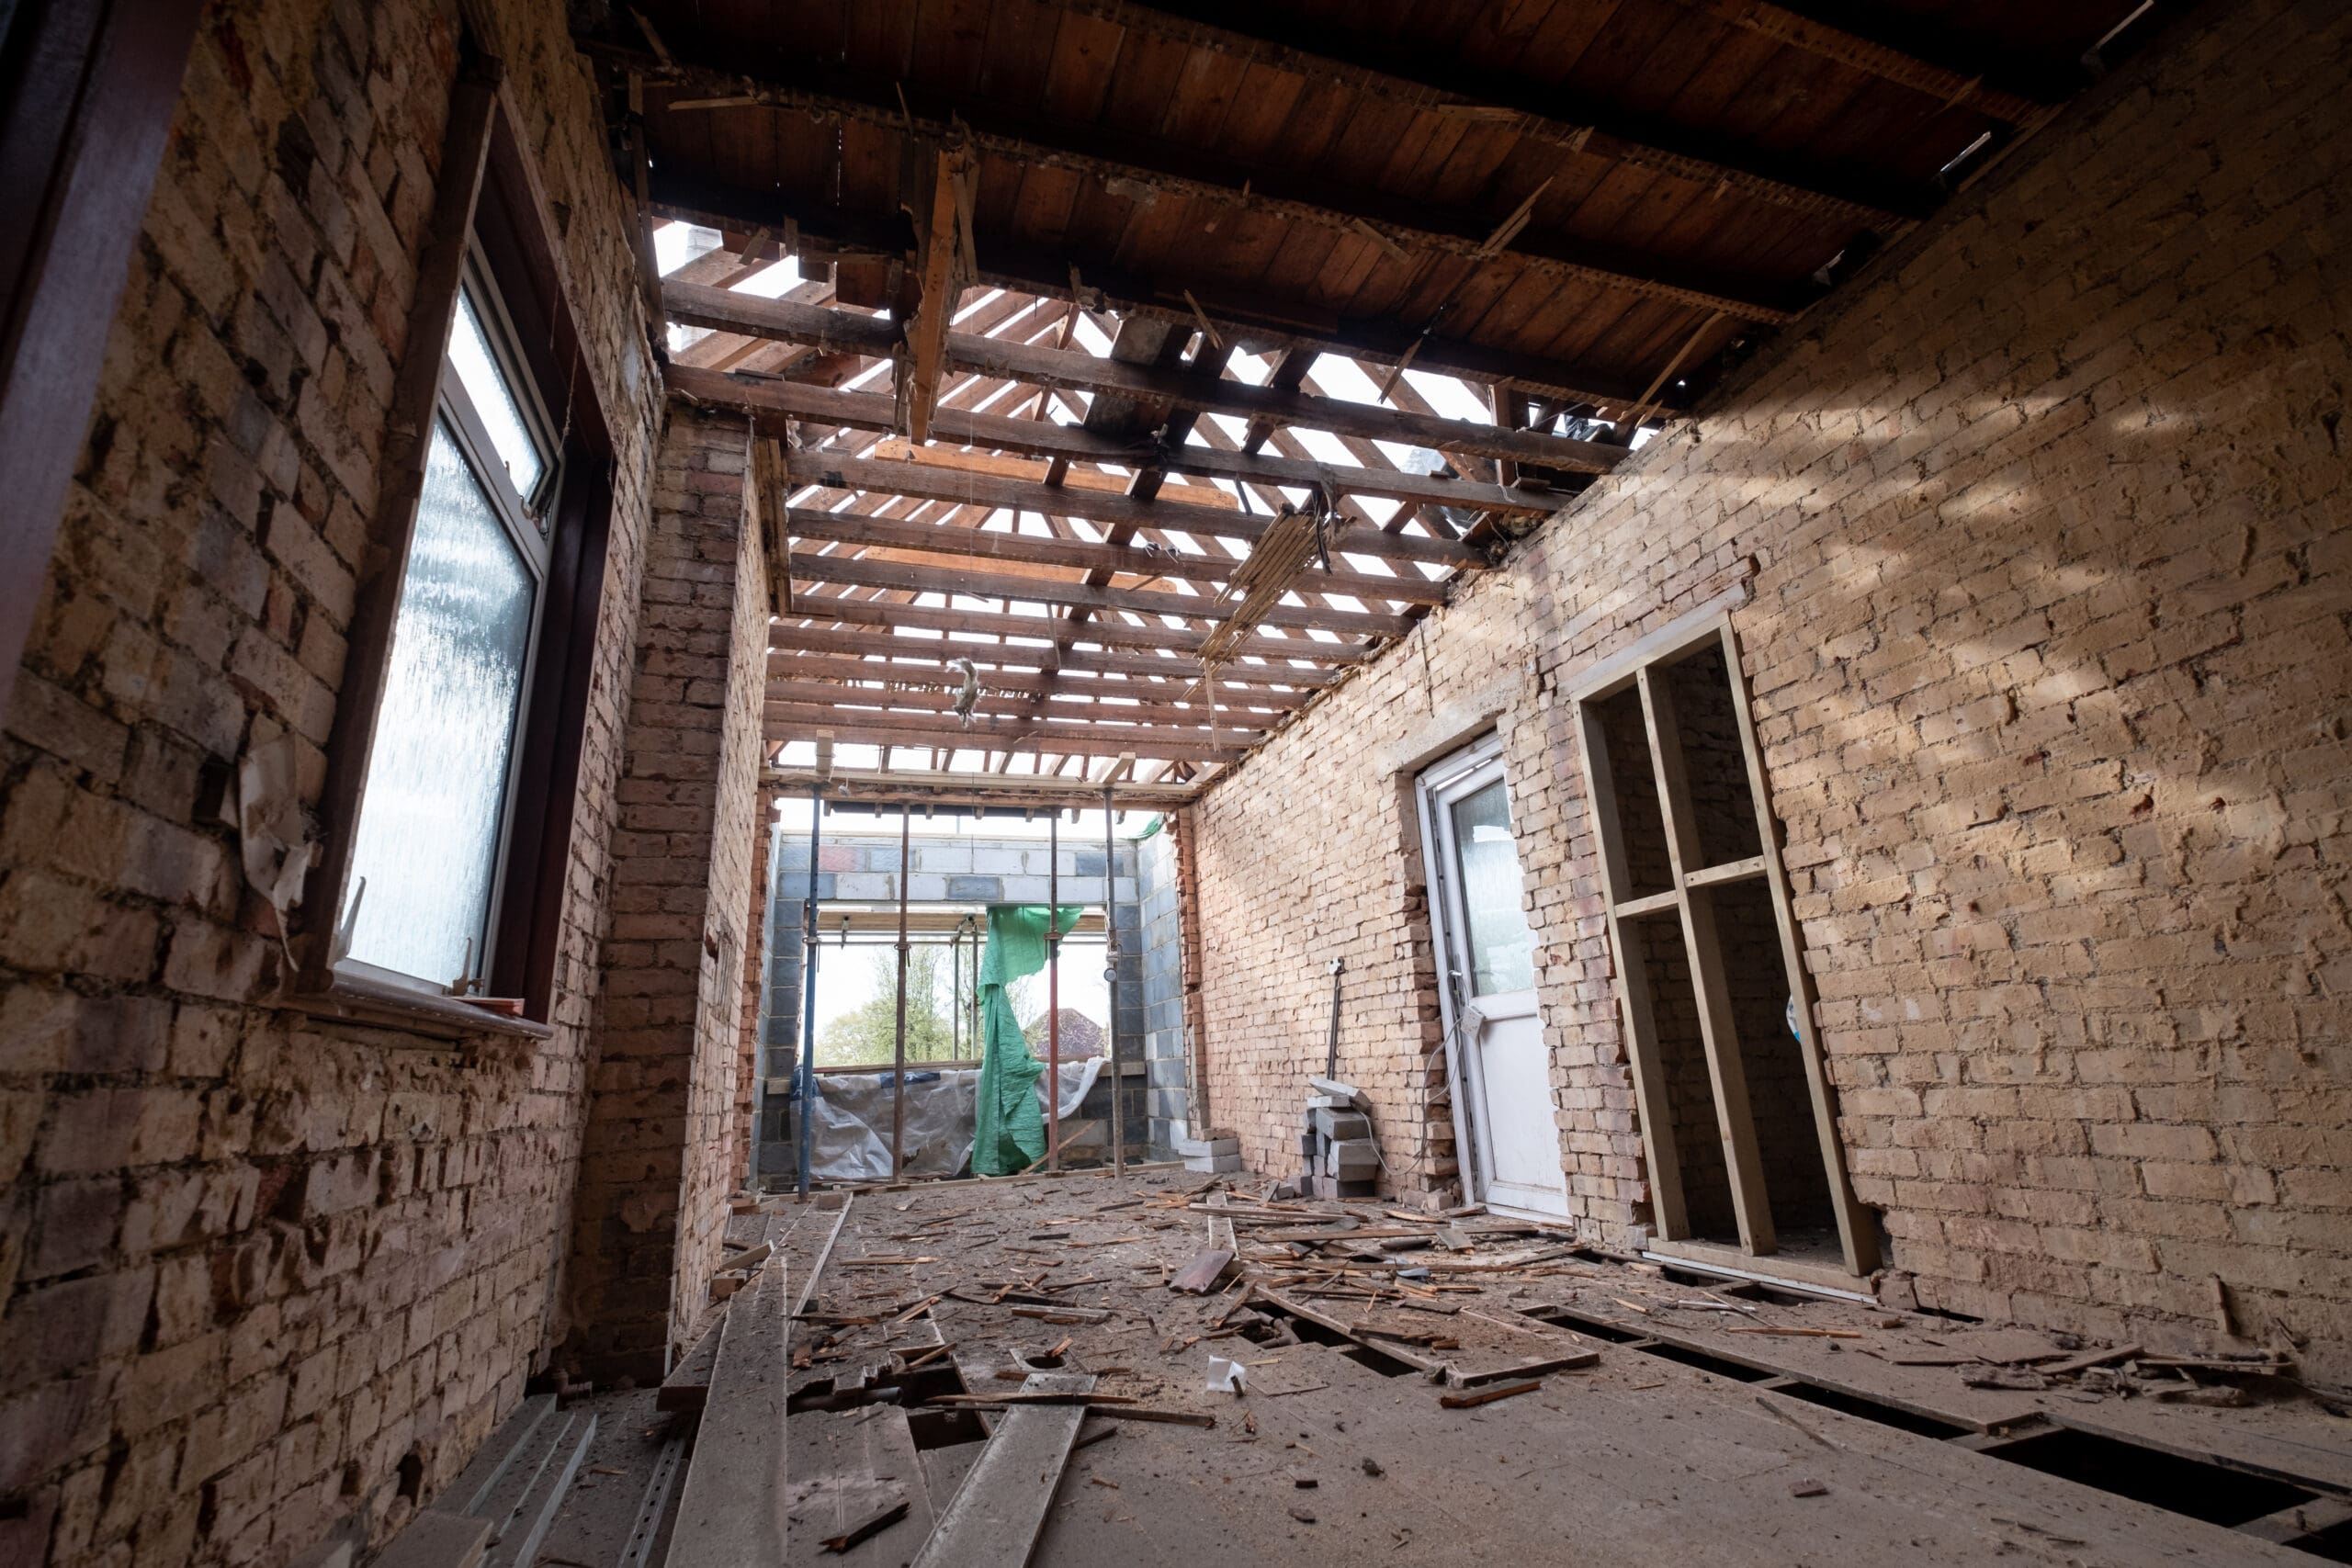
pixel 357 999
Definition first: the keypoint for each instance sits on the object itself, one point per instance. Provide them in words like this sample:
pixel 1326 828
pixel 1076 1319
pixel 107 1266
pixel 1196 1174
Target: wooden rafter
pixel 840 410
pixel 825 468
pixel 789 323
pixel 946 538
pixel 787 669
pixel 1053 736
pixel 852 698
pixel 1243 318
pixel 1655 146
pixel 1528 108
pixel 792 641
pixel 1113 632
pixel 932 787
pixel 966 582
pixel 1029 141
pixel 942 264
pixel 1888 65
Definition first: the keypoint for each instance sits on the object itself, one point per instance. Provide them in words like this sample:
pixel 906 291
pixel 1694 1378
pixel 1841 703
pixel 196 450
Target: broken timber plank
pixel 1488 1396
pixel 853 1469
pixel 732 1509
pixel 1200 1276
pixel 1567 1363
pixel 688 1385
pixel 997 1512
pixel 436 1539
pixel 824 1253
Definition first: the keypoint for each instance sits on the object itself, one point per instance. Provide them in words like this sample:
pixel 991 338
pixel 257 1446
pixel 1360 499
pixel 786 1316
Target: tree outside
pixel 867 1033
pixel 863 1036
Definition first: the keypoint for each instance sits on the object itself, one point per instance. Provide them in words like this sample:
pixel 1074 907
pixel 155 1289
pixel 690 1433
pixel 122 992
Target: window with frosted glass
pixel 1503 951
pixel 435 807
pixel 437 781
pixel 495 401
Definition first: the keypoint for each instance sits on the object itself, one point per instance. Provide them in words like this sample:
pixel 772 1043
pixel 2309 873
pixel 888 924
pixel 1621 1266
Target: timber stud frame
pixel 1692 899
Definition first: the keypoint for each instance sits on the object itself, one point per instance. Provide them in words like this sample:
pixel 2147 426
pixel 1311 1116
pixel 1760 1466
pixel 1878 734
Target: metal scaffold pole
pixel 1054 991
pixel 1111 982
pixel 804 1096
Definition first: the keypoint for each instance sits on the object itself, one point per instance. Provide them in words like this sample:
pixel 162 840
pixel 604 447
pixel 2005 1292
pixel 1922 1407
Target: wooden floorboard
pixel 1681 1434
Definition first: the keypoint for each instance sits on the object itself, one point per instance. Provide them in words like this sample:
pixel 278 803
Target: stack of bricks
pixel 665 1143
pixel 262 1273
pixel 2043 525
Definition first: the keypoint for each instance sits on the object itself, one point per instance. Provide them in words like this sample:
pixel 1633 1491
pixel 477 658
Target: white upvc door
pixel 1504 1116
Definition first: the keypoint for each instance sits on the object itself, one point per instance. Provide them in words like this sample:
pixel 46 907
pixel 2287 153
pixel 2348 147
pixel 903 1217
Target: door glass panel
pixel 1503 951
pixel 494 401
pixel 437 781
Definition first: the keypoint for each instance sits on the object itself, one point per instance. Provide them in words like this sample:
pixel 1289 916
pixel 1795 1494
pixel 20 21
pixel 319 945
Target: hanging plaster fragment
pixel 275 840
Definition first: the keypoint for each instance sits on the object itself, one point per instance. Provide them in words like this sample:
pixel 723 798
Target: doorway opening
pixel 1505 1118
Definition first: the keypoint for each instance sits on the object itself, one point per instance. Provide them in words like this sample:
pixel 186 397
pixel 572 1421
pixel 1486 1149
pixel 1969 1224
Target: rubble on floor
pixel 1160 1368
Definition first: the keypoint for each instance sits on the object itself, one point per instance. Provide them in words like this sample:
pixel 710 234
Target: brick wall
pixel 2049 651
pixel 664 1145
pixel 250 1261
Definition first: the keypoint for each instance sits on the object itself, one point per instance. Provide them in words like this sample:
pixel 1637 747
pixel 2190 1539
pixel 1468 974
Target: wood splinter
pixel 1487 1395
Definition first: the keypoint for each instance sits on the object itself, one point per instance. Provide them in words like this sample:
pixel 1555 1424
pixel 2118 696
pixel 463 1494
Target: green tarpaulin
pixel 1010 1134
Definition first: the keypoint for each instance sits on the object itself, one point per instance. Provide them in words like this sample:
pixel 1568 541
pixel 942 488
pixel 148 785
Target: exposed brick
pixel 2048 660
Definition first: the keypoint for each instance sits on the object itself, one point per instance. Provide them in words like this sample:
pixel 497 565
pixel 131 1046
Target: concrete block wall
pixel 1162 993
pixel 863 868
pixel 251 1261
pixel 663 1144
pixel 2043 530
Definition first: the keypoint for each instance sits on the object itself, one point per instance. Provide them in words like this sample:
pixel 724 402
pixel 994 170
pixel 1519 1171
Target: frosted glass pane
pixel 1502 953
pixel 492 399
pixel 437 781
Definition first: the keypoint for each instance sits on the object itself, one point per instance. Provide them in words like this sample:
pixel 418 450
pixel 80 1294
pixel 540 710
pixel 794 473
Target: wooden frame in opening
pixel 1692 897
pixel 490 212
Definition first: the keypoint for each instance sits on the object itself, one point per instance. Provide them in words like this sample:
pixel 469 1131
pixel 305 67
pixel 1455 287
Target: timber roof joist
pixel 1095 304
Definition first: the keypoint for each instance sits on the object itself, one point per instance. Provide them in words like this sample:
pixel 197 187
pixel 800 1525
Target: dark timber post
pixel 1053 990
pixel 1111 984
pixel 805 1095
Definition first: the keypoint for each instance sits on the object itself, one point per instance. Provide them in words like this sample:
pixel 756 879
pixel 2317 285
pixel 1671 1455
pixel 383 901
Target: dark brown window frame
pixel 87 89
pixel 490 204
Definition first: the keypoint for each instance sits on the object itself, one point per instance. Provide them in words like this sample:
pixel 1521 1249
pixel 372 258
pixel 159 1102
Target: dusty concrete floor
pixel 1703 1430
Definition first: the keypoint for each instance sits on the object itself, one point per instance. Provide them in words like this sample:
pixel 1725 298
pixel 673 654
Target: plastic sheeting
pixel 852 1119
pixel 1010 1134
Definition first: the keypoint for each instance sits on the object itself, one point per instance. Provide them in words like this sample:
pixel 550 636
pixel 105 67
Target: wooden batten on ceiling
pixel 1244 318
pixel 1043 737
pixel 1184 717
pixel 830 407
pixel 726 312
pixel 1110 633
pixel 963 582
pixel 945 538
pixel 922 787
pixel 787 668
pixel 1597 268
pixel 1152 167
pixel 995 655
pixel 833 471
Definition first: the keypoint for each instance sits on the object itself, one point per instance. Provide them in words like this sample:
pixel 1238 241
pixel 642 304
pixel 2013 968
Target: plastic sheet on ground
pixel 852 1120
